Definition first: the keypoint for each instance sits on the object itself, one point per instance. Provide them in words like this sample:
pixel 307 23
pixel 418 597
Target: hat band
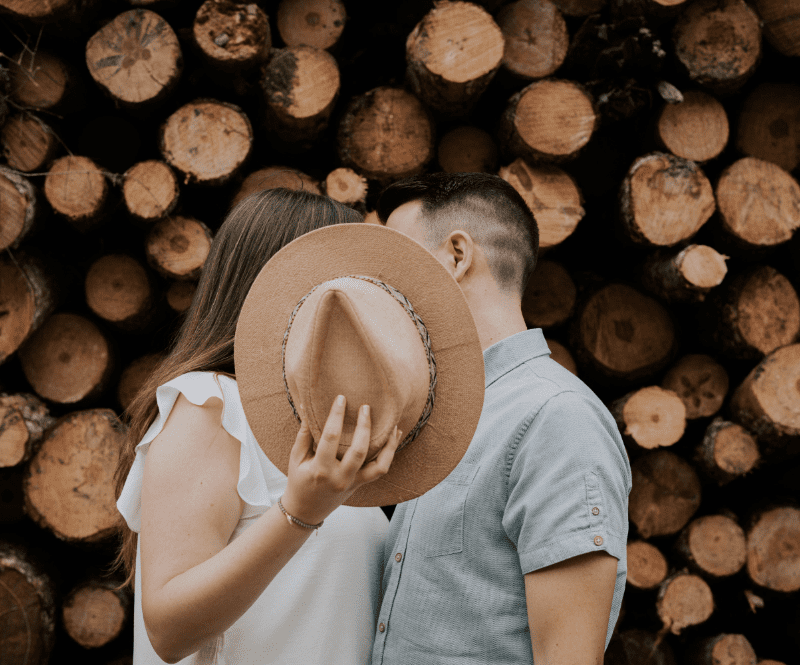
pixel 423 333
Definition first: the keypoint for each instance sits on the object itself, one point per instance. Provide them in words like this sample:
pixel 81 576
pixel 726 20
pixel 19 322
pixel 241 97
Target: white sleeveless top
pixel 322 606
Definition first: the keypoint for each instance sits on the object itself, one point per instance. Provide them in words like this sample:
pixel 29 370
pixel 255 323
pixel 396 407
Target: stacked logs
pixel 657 143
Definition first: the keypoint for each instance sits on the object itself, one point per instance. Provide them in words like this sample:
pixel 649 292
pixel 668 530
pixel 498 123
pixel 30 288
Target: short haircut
pixel 483 205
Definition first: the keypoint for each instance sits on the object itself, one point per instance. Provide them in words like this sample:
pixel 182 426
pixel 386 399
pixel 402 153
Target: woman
pixel 220 574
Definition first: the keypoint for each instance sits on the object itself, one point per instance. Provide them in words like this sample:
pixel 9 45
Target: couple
pixel 249 541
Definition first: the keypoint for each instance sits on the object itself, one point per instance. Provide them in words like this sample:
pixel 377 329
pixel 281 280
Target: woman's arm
pixel 195 584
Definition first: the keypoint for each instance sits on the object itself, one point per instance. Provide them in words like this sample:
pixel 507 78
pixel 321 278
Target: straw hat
pixel 364 311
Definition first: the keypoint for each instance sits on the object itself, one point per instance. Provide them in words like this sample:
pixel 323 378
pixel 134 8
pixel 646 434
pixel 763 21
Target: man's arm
pixel 569 604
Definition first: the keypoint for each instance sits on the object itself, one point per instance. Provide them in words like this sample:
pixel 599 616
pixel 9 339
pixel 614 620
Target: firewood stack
pixel 657 143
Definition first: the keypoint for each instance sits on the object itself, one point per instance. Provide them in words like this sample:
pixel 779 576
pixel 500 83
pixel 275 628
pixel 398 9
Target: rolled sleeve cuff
pixel 561 549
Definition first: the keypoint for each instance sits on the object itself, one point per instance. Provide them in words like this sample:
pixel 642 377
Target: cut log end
pixel 135 375
pixel 28 143
pixel 562 356
pixel 639 647
pixel 647 566
pixel 180 295
pixel 39 80
pixel 232 35
pixel 715 545
pixel 703 267
pixel 768 311
pixel 23 420
pixel 273 177
pixel 177 247
pixel 549 298
pixel 781 22
pixel 701 382
pixel 650 417
pixel 696 128
pixel 118 290
pixel 150 190
pixel 317 23
pixel 136 58
pixel 346 186
pixel 725 649
pixel 684 600
pixel 551 194
pixel 536 38
pixel 17 208
pixel 77 189
pixel 468 149
pixel 769 124
pixel 94 615
pixel 773 549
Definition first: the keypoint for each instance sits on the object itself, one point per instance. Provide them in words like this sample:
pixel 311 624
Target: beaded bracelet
pixel 291 519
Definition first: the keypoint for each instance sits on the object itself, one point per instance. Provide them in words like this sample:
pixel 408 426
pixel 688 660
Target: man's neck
pixel 496 319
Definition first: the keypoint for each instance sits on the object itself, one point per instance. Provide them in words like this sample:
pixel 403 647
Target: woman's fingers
pixel 380 465
pixel 357 451
pixel 332 432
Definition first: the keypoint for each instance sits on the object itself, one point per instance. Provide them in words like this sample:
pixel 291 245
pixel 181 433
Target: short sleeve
pixel 568 484
pixel 257 475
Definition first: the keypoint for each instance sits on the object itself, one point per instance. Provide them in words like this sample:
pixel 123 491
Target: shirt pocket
pixel 439 516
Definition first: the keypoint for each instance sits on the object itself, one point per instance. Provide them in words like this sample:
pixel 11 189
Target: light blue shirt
pixel 545 478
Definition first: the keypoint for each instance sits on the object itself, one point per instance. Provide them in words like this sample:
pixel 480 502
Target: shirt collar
pixel 510 352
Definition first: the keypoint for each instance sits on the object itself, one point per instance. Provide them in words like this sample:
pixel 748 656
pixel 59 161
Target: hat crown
pixel 352 337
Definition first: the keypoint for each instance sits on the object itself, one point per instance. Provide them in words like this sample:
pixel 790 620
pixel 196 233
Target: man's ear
pixel 460 249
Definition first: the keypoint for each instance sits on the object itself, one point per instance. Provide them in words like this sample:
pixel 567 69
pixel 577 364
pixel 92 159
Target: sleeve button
pixel 595 511
pixel 598 540
pixel 398 557
pixel 381 627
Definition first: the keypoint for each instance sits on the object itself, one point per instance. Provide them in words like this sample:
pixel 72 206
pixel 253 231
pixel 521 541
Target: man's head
pixel 430 208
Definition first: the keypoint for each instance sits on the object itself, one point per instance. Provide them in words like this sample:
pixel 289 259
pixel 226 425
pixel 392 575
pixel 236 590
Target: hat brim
pixel 394 258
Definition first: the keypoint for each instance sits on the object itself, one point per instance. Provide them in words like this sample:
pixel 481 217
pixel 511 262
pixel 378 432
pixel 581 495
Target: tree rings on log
pixel 773 549
pixel 622 334
pixel 713 545
pixel 769 124
pixel 701 382
pixel 27 608
pixel 150 190
pixel 207 141
pixel 39 80
pixel 386 134
pixel 28 143
pixel 696 128
pixel 136 58
pixel 136 374
pixel 549 120
pixel 536 38
pixel 94 613
pixel 119 290
pixel 346 186
pixel 726 452
pixel 551 194
pixel 177 247
pixel 686 275
pixel 301 85
pixel 67 359
pixel 767 403
pixel 180 295
pixel 23 420
pixel 647 566
pixel 724 649
pixel 317 23
pixel 272 177
pixel 665 493
pixel 684 600
pixel 718 42
pixel 77 189
pixel 18 208
pixel 26 300
pixel 562 356
pixel 452 55
pixel 781 23
pixel 650 417
pixel 549 298
pixel 638 647
pixel 664 200
pixel 232 35
pixel 69 486
pixel 759 203
pixel 753 314
pixel 467 149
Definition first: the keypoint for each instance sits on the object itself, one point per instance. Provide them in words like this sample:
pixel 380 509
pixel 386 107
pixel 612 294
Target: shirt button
pixel 598 540
pixel 398 556
pixel 381 627
pixel 595 511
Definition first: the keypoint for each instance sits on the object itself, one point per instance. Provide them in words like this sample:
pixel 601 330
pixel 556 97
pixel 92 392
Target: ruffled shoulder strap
pixel 257 475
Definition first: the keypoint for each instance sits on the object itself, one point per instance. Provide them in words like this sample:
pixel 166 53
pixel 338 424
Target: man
pixel 518 556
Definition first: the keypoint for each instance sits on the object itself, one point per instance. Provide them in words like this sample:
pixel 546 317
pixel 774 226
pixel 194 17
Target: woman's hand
pixel 319 482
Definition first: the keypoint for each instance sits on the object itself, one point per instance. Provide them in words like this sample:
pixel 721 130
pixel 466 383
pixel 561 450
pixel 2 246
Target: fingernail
pixel 302 411
pixel 398 433
pixel 365 410
pixel 340 400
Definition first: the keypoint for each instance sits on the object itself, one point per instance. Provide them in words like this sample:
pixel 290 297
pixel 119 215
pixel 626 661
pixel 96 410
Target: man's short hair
pixel 483 205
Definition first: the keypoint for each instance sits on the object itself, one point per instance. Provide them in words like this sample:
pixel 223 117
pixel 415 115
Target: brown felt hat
pixel 367 312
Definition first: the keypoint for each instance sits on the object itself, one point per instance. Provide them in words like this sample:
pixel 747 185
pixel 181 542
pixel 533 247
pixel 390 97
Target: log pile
pixel 657 143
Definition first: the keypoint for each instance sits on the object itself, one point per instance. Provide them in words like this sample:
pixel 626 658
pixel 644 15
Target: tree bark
pixel 77 189
pixel 272 177
pixel 773 541
pixel 713 546
pixel 467 149
pixel 135 374
pixel 94 613
pixel 536 38
pixel 718 42
pixel 650 418
pixel 69 485
pixel 686 275
pixel 684 600
pixel 136 58
pixel 665 495
pixel 647 566
pixel 664 200
pixel 28 143
pixel 449 80
pixel 19 208
pixel 232 35
pixel 552 195
pixel 549 120
pixel 150 190
pixel 177 247
pixel 23 421
pixel 701 382
pixel 769 124
pixel 386 134
pixel 723 649
pixel 726 452
pixel 781 23
pixel 120 290
pixel 695 129
pixel 549 298
pixel 207 141
pixel 67 360
pixel 317 23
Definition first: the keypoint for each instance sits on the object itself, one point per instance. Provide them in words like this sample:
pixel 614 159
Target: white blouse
pixel 322 606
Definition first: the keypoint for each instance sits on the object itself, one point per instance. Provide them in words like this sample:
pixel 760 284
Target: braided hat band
pixel 423 333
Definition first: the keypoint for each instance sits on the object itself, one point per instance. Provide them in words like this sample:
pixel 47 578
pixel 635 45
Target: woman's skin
pixel 194 584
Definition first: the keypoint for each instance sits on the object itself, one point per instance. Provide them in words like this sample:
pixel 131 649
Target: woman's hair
pixel 253 231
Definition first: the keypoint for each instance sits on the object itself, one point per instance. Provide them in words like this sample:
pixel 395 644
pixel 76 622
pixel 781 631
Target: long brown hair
pixel 252 232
